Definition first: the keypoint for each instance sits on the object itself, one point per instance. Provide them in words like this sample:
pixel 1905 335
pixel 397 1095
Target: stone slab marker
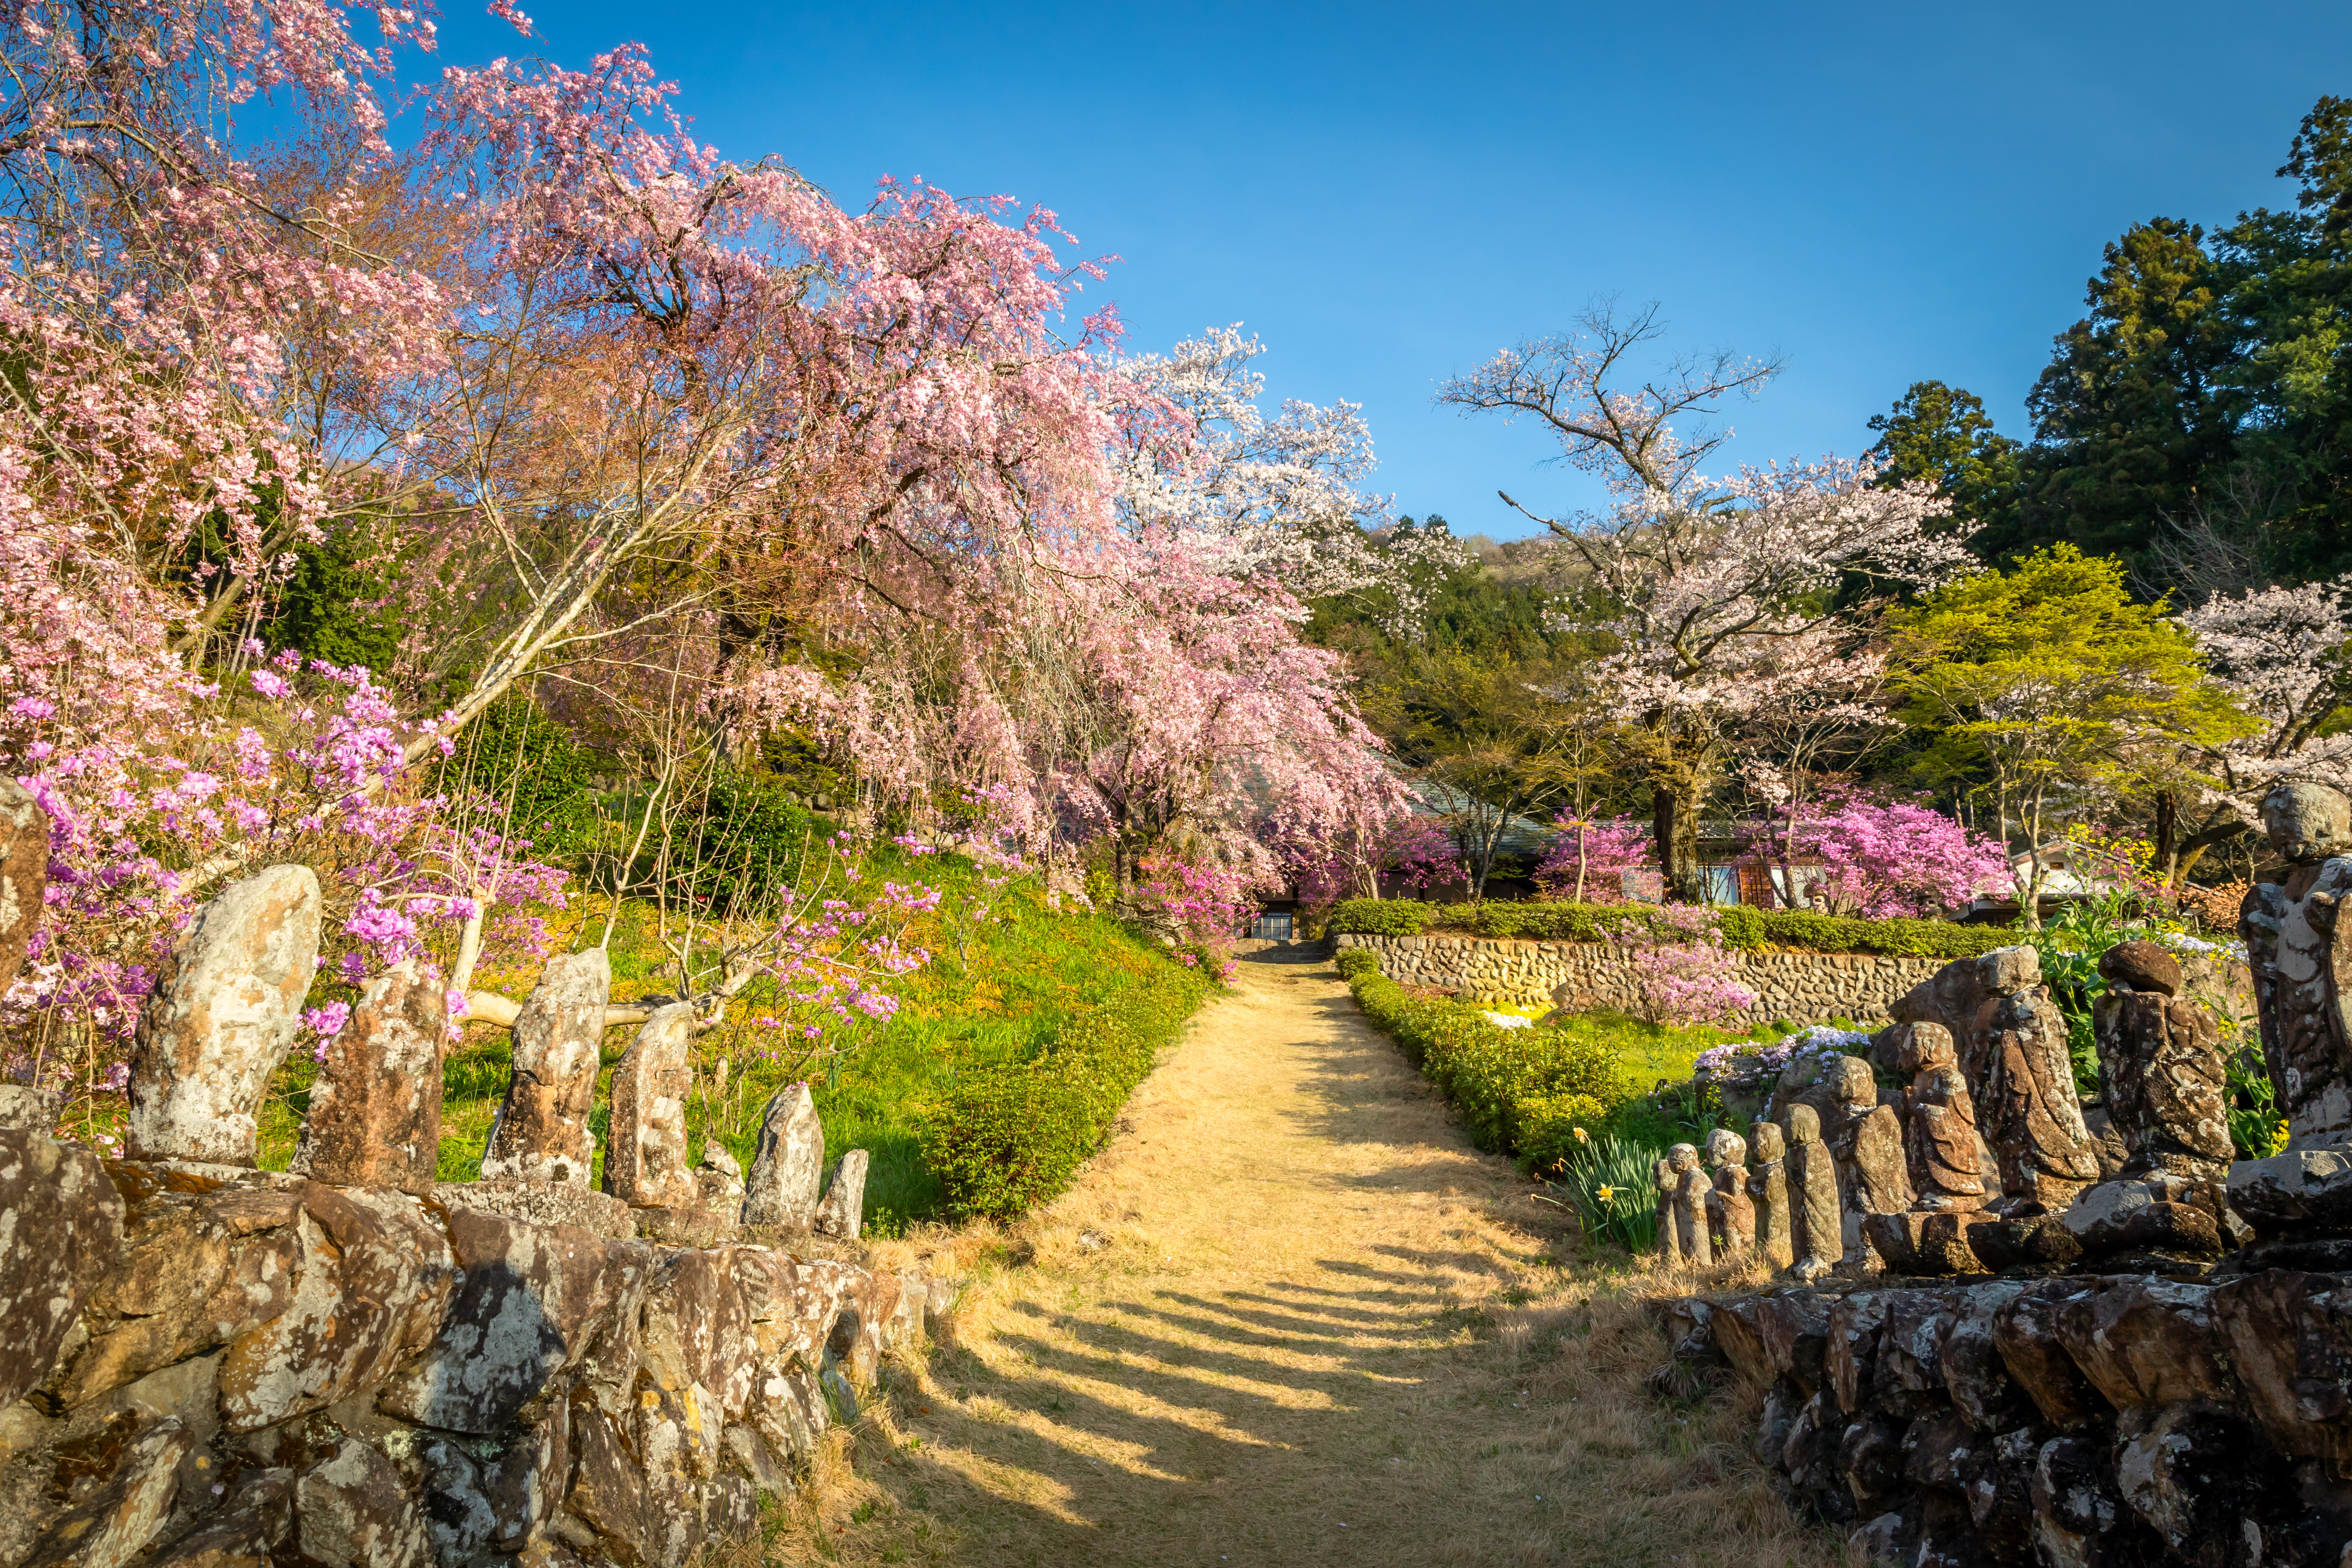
pixel 375 1112
pixel 789 1163
pixel 541 1134
pixel 1767 1188
pixel 23 873
pixel 644 1142
pixel 221 1019
pixel 842 1212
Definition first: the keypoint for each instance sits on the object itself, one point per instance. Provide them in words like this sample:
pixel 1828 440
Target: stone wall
pixel 2088 1421
pixel 204 1364
pixel 1802 987
pixel 207 1373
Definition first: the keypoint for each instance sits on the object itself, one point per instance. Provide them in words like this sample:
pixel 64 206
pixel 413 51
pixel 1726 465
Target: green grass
pixel 1027 974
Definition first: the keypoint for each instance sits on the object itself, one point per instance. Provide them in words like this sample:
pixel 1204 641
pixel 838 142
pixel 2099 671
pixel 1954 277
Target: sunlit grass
pixel 1025 970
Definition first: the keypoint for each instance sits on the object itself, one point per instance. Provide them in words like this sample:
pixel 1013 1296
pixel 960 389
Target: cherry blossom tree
pixel 1855 857
pixel 1277 496
pixel 2280 654
pixel 1720 594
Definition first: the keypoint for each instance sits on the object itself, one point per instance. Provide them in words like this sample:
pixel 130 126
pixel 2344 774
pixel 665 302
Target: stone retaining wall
pixel 203 1373
pixel 2093 1421
pixel 1802 987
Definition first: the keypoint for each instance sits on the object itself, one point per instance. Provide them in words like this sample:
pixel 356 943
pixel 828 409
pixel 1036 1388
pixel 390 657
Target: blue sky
pixel 1388 193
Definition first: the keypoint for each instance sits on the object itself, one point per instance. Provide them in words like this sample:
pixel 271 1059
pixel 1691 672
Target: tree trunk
pixel 2168 836
pixel 1673 818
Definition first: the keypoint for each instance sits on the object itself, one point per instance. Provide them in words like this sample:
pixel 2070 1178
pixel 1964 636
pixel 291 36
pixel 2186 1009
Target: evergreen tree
pixel 1943 434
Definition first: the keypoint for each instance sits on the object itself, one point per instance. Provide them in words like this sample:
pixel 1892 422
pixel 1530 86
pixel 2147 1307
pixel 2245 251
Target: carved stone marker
pixel 842 1211
pixel 1767 1188
pixel 789 1162
pixel 645 1142
pixel 221 1019
pixel 376 1111
pixel 1817 1221
pixel 2298 951
pixel 541 1134
pixel 23 873
pixel 1730 1213
pixel 1691 1190
pixel 2160 1062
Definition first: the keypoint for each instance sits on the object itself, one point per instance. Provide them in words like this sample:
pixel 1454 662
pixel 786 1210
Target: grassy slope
pixel 1025 973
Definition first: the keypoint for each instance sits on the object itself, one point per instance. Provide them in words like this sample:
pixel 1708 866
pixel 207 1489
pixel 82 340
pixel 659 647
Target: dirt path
pixel 1291 1317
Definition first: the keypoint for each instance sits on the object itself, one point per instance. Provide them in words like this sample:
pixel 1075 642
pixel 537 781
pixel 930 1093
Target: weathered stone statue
pixel 222 1019
pixel 1865 1139
pixel 1940 1146
pixel 719 1179
pixel 644 1142
pixel 1691 1190
pixel 1817 1229
pixel 2165 1085
pixel 789 1163
pixel 1768 1189
pixel 2011 1045
pixel 1941 1162
pixel 2299 954
pixel 1730 1214
pixel 541 1134
pixel 376 1111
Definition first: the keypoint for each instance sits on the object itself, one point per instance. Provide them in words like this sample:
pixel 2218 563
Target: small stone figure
pixel 541 1134
pixel 789 1163
pixel 1691 1190
pixel 2299 952
pixel 375 1108
pixel 1731 1215
pixel 2161 1064
pixel 1941 1140
pixel 1939 1146
pixel 23 873
pixel 222 1019
pixel 1817 1229
pixel 645 1142
pixel 1865 1139
pixel 1663 1181
pixel 1768 1189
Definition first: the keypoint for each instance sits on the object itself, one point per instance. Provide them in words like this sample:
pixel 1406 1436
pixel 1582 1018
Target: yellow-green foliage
pixel 1519 1091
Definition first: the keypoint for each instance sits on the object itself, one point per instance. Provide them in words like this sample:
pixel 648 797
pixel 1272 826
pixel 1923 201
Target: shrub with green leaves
pixel 1608 1180
pixel 1010 1136
pixel 1744 929
pixel 1518 1091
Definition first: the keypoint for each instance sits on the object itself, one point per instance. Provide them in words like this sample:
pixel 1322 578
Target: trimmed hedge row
pixel 1010 1136
pixel 1519 1091
pixel 1749 930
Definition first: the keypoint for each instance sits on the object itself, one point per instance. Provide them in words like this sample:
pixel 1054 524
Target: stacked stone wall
pixel 1802 988
pixel 2095 1420
pixel 204 1364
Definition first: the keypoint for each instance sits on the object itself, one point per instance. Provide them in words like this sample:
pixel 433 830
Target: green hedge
pixel 1519 1091
pixel 1750 929
pixel 1008 1138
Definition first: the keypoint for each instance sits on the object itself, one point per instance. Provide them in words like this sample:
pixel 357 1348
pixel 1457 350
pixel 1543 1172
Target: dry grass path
pixel 1291 1317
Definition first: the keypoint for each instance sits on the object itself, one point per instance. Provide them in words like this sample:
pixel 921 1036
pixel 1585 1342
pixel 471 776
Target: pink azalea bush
pixel 1880 860
pixel 1686 970
pixel 1590 856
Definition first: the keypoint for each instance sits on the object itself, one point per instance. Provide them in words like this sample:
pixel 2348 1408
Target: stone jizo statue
pixel 1731 1213
pixel 1817 1218
pixel 1691 1190
pixel 1768 1191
